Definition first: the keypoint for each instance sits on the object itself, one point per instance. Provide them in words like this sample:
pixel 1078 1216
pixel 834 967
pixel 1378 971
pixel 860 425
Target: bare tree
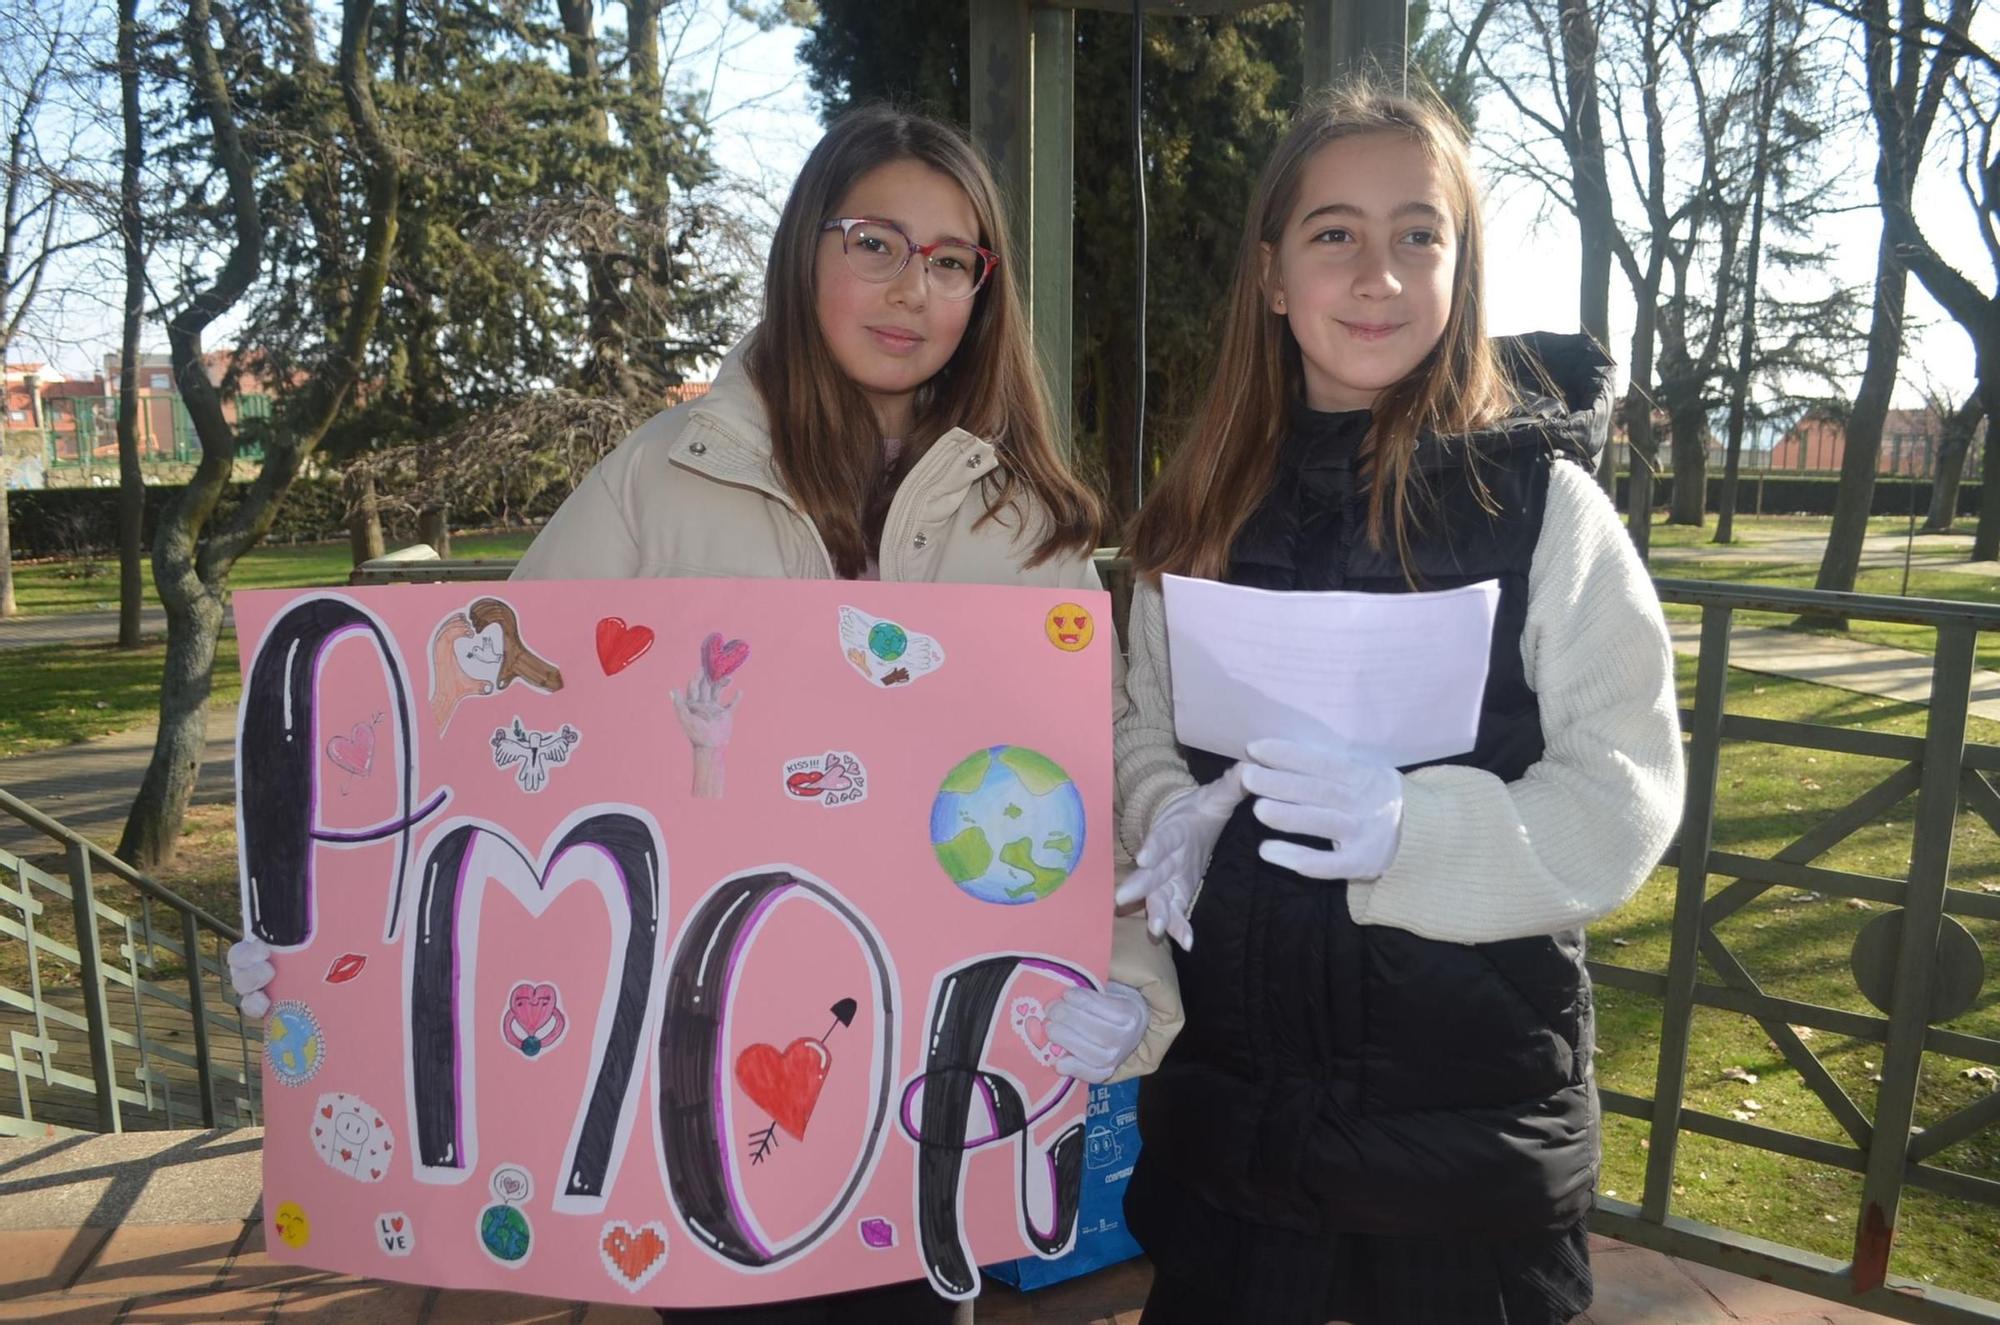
pixel 191 559
pixel 41 58
pixel 1906 79
pixel 1974 102
pixel 1565 47
pixel 1957 426
pixel 131 232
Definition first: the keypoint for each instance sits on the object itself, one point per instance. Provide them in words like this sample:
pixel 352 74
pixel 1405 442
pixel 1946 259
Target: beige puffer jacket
pixel 694 492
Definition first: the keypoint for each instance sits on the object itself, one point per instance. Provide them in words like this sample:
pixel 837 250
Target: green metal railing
pixel 150 1011
pixel 1916 964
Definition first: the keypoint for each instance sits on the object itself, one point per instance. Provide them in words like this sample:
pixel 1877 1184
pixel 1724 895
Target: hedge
pixel 60 522
pixel 56 522
pixel 1811 494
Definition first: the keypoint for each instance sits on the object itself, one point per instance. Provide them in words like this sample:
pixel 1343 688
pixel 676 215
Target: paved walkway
pixel 90 785
pixel 159 1226
pixel 23 632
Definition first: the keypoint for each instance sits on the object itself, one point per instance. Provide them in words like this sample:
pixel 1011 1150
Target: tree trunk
pixel 7 604
pixel 1739 389
pixel 1594 217
pixel 1986 542
pixel 1953 447
pixel 1841 561
pixel 434 527
pixel 1690 465
pixel 364 519
pixel 194 625
pixel 1639 415
pixel 131 482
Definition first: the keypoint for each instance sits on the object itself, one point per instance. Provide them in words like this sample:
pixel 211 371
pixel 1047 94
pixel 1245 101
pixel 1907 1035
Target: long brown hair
pixel 1226 463
pixel 824 439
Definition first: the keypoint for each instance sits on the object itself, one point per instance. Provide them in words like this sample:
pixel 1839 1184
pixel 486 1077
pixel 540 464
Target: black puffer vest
pixel 1342 1078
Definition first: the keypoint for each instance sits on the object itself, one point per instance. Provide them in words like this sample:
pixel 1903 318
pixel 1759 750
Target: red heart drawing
pixel 397 1223
pixel 355 751
pixel 633 1254
pixel 786 1085
pixel 326 1111
pixel 719 659
pixel 620 645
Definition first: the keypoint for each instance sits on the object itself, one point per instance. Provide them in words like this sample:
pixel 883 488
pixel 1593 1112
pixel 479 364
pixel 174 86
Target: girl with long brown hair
pixel 1380 1107
pixel 885 420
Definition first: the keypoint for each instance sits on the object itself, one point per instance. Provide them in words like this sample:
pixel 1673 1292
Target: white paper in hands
pixel 1391 677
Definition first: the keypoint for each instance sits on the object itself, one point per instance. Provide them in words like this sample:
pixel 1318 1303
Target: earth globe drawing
pixel 887 641
pixel 293 1043
pixel 505 1232
pixel 1007 825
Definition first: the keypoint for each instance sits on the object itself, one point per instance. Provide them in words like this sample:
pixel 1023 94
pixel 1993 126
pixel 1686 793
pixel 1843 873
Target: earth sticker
pixel 1007 825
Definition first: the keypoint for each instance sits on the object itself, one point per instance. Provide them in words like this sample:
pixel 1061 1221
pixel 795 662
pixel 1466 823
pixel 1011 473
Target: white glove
pixel 1356 805
pixel 250 970
pixel 1175 854
pixel 1097 1032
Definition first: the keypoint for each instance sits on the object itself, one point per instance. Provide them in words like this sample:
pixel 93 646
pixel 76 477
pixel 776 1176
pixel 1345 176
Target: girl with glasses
pixel 1380 1108
pixel 885 420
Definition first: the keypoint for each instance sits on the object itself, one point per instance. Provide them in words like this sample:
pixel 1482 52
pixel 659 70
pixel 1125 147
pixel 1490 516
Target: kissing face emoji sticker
pixel 1070 628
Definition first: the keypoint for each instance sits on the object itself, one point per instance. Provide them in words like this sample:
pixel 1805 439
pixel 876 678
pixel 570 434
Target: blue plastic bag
pixel 1110 1145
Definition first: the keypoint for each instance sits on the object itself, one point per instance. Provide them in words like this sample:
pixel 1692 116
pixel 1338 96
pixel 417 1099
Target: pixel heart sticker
pixel 620 645
pixel 720 659
pixel 632 1255
pixel 1027 1016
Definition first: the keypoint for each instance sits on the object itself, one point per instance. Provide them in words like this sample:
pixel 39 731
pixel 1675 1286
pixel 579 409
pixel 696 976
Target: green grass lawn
pixel 1749 529
pixel 64 693
pixel 70 586
pixel 1797 946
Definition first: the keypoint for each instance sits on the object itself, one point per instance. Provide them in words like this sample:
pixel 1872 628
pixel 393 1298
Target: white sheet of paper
pixel 1394 677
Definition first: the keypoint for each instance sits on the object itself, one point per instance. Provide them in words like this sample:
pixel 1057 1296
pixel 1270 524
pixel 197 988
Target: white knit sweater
pixel 1481 859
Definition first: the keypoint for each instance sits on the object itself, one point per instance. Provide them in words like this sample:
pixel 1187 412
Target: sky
pixel 765 124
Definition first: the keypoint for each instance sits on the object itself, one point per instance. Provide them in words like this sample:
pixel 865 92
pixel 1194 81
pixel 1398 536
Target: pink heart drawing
pixel 836 776
pixel 355 751
pixel 720 659
pixel 1033 1028
pixel 534 1006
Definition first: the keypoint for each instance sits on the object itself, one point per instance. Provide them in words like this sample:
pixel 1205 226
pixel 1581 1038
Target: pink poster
pixel 678 942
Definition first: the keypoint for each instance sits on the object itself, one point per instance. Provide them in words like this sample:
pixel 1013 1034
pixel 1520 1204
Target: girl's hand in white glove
pixel 1355 804
pixel 1175 854
pixel 1097 1031
pixel 250 970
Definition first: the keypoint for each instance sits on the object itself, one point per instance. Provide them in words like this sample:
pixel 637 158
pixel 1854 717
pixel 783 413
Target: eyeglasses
pixel 878 251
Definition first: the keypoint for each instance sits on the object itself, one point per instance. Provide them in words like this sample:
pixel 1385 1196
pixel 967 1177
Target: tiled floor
pixel 218 1272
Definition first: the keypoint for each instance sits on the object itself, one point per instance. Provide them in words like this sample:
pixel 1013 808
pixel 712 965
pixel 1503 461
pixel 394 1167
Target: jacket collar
pixel 728 438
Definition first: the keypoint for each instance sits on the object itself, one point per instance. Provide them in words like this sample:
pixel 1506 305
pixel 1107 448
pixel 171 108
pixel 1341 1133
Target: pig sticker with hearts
pixel 352 1137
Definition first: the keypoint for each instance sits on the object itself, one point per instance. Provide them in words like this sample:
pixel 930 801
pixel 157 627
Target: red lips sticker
pixel 345 967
